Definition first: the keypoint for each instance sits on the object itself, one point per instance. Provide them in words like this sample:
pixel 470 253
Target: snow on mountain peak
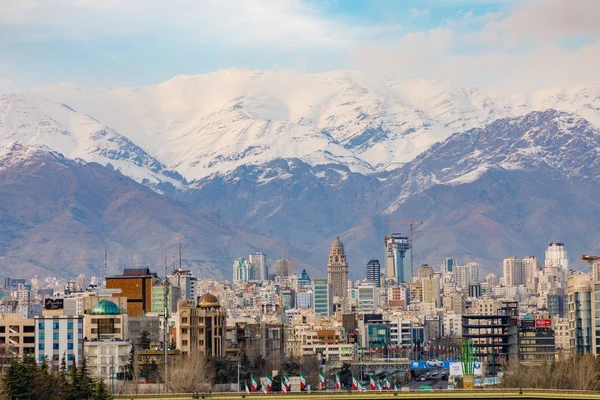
pixel 213 123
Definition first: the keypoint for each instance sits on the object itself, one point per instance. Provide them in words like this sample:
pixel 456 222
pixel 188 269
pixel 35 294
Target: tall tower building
pixel 397 248
pixel 242 270
pixel 337 269
pixel 284 267
pixel 472 272
pixel 374 272
pixel 513 271
pixel 322 297
pixel 556 256
pixel 259 264
pixel 448 264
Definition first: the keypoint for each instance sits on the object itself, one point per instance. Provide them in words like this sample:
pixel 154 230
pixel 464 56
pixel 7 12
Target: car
pixel 434 363
pixel 436 375
pixel 422 378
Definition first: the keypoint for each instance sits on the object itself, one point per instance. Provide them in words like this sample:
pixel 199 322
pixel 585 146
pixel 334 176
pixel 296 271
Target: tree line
pixel 25 379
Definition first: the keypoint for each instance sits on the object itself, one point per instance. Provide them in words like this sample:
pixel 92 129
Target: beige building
pixel 431 290
pixel 200 328
pixel 513 271
pixel 17 337
pixel 105 321
pixel 106 358
pixel 337 270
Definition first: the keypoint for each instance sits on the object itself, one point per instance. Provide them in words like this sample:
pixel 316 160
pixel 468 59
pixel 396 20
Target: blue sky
pixel 140 42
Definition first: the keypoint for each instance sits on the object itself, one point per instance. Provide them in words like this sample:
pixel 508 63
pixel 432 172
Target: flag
pixel 379 386
pixel 254 383
pixel 302 381
pixel 388 384
pixel 247 390
pixel 269 382
pixel 286 379
pixel 360 386
pixel 322 380
pixel 338 383
pixel 371 383
pixel 284 388
pixel 395 386
pixel 354 383
pixel 264 389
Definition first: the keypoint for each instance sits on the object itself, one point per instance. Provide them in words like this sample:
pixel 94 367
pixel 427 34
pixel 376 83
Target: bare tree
pixel 191 374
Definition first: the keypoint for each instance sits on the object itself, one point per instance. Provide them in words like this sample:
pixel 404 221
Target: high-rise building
pixel 242 270
pixel 581 314
pixel 398 257
pixel 337 270
pixel 556 256
pixel 259 264
pixel 448 265
pixel 425 271
pixel 136 285
pixel 513 271
pixel 304 298
pixel 367 298
pixel 284 267
pixel 431 290
pixel 461 279
pixel 322 297
pixel 530 268
pixel 472 272
pixel 374 272
pixel 186 282
pixel 596 271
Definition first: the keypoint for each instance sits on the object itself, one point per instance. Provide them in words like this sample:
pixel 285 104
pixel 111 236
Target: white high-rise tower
pixel 556 256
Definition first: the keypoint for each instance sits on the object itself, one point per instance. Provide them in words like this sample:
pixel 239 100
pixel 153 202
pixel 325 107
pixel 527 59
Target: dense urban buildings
pixel 531 315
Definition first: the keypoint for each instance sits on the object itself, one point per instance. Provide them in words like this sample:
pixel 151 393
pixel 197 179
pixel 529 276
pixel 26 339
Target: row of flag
pixel 381 384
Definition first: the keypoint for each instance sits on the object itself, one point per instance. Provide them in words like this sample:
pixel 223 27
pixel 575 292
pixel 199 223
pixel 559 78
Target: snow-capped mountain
pixel 551 141
pixel 28 119
pixel 213 123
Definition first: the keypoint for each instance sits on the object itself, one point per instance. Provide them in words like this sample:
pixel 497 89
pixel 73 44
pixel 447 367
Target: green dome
pixel 105 307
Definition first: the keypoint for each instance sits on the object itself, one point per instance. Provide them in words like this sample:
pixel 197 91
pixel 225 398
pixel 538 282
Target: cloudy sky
pixel 111 43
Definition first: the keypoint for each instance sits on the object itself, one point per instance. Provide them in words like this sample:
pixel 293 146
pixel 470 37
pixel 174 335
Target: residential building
pixel 452 325
pixel 431 290
pixel 448 265
pixel 259 264
pixel 556 256
pixel 107 359
pixel 136 286
pixel 284 267
pixel 242 270
pixel 17 338
pixel 58 337
pixel 200 328
pixel 186 282
pixel 582 329
pixel 513 271
pixel 158 298
pixel 367 298
pixel 322 297
pixel 374 272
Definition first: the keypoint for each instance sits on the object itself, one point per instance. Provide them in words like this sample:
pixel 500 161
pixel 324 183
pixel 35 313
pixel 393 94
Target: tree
pixel 191 374
pixel 101 392
pixel 143 341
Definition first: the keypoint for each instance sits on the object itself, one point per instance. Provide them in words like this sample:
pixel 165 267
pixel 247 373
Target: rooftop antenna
pixel 105 265
pixel 180 257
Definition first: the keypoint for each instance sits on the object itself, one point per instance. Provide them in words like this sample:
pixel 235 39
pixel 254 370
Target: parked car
pixel 435 363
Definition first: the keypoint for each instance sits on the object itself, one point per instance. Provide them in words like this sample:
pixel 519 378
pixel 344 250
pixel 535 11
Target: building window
pixel 69 325
pixel 55 336
pixel 41 358
pixel 55 325
pixel 70 336
pixel 70 357
pixel 55 346
pixel 41 336
pixel 28 329
pixel 41 326
pixel 41 346
pixel 69 346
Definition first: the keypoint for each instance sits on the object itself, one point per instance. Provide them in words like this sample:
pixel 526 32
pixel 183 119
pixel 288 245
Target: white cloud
pixel 523 49
pixel 282 23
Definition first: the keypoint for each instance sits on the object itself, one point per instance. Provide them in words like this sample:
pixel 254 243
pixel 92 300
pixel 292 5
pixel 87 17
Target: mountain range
pixel 237 161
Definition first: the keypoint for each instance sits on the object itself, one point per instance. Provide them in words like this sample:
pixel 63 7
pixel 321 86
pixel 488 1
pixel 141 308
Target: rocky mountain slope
pixel 57 217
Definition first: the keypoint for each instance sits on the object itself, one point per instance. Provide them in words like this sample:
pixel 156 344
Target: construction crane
pixel 410 224
pixel 590 259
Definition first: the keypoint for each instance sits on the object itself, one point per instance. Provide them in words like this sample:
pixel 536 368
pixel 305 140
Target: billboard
pixel 456 369
pixel 53 304
pixel 543 323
